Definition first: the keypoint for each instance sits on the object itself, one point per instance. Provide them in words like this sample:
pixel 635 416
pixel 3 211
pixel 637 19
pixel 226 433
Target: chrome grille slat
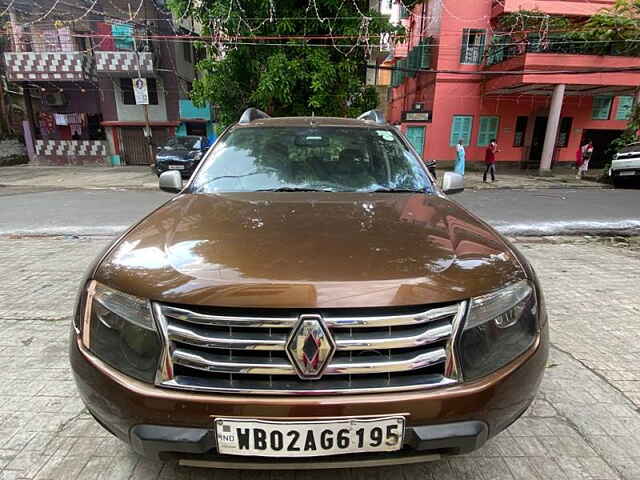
pixel 289 322
pixel 355 366
pixel 375 341
pixel 226 340
pixel 360 366
pixel 391 320
pixel 228 321
pixel 225 350
pixel 217 363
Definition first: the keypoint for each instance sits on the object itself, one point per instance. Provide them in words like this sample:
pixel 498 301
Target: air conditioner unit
pixel 55 99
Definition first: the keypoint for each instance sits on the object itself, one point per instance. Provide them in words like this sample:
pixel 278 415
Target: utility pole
pixel 147 129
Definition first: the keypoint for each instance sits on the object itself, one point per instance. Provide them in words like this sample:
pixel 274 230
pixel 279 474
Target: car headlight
pixel 500 326
pixel 120 330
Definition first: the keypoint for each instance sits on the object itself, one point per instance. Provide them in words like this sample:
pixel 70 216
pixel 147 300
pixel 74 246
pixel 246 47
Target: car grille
pixel 234 350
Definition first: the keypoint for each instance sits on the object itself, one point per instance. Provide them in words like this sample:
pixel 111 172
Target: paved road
pixel 515 212
pixel 584 424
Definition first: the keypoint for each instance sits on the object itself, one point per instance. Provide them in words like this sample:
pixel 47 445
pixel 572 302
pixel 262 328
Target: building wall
pixel 449 94
pixel 135 113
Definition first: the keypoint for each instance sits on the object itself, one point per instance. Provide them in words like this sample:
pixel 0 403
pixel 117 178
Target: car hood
pixel 306 250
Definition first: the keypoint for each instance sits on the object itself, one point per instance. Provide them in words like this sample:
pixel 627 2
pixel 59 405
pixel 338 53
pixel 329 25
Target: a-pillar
pixel 552 129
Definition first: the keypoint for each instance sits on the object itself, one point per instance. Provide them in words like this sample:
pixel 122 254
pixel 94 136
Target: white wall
pixel 135 113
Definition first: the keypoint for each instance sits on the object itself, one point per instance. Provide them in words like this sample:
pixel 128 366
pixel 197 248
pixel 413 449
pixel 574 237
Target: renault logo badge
pixel 310 347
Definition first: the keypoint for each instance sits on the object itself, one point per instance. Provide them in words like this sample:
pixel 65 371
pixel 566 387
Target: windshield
pixel 182 143
pixel 302 158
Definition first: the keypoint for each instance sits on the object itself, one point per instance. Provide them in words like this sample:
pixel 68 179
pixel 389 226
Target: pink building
pixel 538 115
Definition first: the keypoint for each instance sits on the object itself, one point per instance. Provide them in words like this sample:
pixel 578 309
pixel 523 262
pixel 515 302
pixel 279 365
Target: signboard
pixel 417 116
pixel 140 91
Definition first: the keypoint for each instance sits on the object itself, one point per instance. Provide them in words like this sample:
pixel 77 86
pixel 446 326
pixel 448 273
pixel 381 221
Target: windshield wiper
pixel 295 189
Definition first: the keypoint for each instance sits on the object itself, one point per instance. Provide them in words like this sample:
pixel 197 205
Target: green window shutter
pixel 625 105
pixel 415 135
pixel 601 107
pixel 413 62
pixel 461 129
pixel 488 130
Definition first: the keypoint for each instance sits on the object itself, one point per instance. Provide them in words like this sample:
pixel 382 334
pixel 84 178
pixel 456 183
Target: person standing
pixel 586 151
pixel 490 160
pixel 460 153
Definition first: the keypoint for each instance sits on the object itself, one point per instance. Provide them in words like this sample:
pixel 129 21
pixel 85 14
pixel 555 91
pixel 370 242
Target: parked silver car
pixel 626 165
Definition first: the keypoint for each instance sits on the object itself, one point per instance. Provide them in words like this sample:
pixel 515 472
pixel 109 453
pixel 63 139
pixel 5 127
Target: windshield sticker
pixel 385 134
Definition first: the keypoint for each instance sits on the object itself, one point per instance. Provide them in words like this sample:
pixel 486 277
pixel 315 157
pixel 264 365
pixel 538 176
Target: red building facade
pixel 528 91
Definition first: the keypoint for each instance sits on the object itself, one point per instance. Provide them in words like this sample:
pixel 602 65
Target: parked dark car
pixel 181 153
pixel 311 296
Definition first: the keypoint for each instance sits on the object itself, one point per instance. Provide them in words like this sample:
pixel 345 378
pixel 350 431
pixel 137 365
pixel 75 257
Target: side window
pixel 521 129
pixel 488 130
pixel 472 49
pixel 601 107
pixel 415 135
pixel 461 129
pixel 625 105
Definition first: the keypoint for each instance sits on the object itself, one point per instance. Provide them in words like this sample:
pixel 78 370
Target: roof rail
pixel 373 116
pixel 251 114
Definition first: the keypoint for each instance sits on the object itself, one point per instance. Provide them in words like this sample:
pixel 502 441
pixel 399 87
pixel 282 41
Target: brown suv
pixel 310 295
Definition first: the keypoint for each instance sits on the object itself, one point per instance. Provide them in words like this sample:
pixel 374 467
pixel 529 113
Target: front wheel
pixel 616 182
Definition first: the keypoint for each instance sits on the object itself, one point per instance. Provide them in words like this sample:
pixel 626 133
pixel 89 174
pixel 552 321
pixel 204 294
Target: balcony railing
pixel 48 66
pixel 124 63
pixel 506 47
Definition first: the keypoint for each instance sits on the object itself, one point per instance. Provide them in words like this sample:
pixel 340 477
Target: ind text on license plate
pixel 308 438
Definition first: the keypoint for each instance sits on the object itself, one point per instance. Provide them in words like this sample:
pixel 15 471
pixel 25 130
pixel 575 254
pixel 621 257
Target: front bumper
pixel 186 171
pixel 160 422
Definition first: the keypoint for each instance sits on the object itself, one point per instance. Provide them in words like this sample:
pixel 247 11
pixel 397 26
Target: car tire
pixel 616 182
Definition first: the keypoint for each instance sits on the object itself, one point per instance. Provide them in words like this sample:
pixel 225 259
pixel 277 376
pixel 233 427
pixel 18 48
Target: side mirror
pixel 452 183
pixel 170 181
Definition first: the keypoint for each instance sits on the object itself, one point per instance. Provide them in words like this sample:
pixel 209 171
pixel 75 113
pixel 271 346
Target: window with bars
pixel 625 105
pixel 473 41
pixel 461 129
pixel 488 130
pixel 601 109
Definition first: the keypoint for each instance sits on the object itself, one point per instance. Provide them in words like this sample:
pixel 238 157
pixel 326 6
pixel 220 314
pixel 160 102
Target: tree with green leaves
pixel 287 57
pixel 614 30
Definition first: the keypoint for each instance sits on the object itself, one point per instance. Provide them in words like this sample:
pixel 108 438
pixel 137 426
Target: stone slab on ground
pixel 585 423
pixel 519 179
pixel 79 177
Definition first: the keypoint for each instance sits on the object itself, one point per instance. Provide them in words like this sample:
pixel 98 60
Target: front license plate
pixel 308 439
pixel 176 167
pixel 630 172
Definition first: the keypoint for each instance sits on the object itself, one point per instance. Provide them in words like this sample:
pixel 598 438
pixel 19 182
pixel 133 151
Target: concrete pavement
pixel 585 423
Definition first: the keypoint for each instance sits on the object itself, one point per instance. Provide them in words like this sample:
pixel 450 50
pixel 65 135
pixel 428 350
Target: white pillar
pixel 552 128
